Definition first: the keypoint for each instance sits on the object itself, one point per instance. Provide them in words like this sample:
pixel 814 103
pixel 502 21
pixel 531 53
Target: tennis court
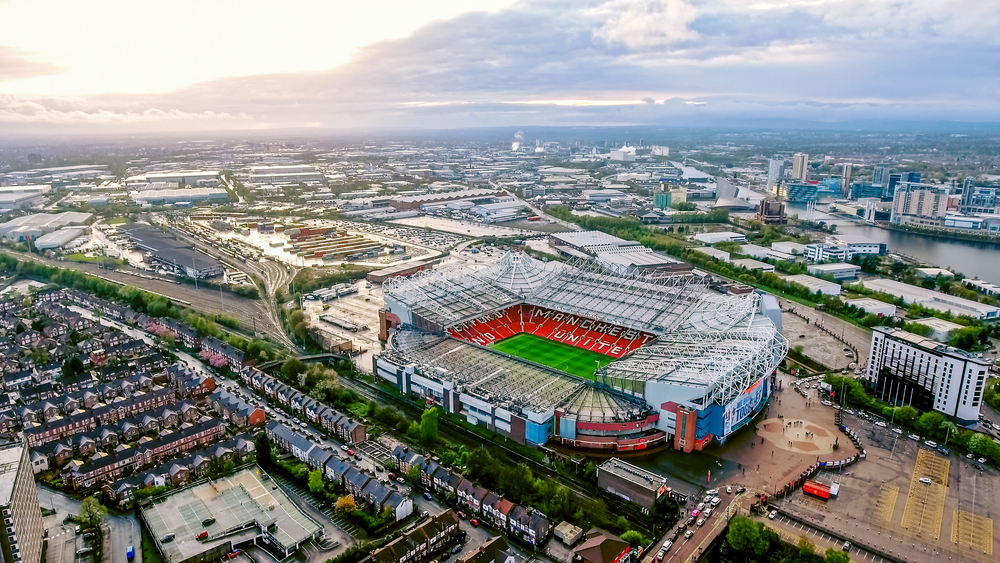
pixel 556 355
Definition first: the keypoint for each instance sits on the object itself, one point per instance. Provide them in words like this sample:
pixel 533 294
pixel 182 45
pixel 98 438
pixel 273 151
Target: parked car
pixel 914 437
pixel 925 480
pixel 729 489
pixel 773 514
pixel 474 522
pixel 428 496
pixel 688 534
pixel 881 424
pixel 930 443
pixel 712 492
pixel 202 535
pixel 701 522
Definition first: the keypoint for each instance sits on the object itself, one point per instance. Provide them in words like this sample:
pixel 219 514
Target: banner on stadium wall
pixel 742 406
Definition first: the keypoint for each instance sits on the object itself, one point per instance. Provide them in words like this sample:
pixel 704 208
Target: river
pixel 972 259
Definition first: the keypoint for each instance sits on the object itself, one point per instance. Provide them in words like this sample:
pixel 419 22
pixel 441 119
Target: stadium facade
pixel 688 365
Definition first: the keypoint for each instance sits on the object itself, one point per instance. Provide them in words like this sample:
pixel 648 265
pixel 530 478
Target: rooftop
pixel 10 458
pixel 637 475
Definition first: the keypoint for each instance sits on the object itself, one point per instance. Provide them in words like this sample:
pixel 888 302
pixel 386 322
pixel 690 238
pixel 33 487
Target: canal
pixel 970 258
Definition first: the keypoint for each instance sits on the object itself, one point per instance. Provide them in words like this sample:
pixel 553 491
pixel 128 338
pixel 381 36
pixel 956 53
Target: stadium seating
pixel 539 321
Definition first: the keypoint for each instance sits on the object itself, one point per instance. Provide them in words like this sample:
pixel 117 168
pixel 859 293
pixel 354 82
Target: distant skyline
pixel 106 66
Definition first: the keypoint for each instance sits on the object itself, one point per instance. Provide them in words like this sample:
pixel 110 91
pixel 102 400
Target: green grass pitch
pixel 557 355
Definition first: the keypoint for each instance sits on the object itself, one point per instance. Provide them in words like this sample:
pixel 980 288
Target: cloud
pixel 593 62
pixel 646 24
pixel 15 64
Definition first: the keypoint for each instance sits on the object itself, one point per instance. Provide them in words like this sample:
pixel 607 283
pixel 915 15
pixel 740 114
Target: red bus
pixel 816 489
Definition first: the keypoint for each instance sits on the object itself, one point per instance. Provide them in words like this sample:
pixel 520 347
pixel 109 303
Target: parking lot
pixel 908 499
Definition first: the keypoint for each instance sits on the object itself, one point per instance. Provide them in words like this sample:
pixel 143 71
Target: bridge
pixel 267 366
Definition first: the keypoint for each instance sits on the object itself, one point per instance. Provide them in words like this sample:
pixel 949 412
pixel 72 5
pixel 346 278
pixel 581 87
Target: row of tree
pixel 748 541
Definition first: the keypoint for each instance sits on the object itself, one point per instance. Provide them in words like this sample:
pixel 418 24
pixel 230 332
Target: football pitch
pixel 556 355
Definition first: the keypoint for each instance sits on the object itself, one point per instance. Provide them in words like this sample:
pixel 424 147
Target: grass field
pixel 557 355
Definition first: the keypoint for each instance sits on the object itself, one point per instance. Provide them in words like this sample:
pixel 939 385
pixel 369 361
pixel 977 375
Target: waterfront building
pixel 800 192
pixel 770 212
pixel 858 244
pixel 880 175
pixel 982 286
pixel 800 166
pixel 909 369
pixel 845 185
pixel 865 190
pixel 775 171
pixel 824 252
pixel 922 204
pixel 978 199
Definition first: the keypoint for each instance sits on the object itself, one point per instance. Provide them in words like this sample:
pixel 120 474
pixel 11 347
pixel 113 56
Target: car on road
pixel 914 437
pixel 167 538
pixel 350 452
pixel 970 456
pixel 943 451
pixel 660 554
pixel 826 403
pixel 897 430
pixel 400 480
pixel 84 551
pixel 695 513
pixel 343 447
pixel 667 545
pixel 881 424
pixel 930 443
pixel 925 480
pixel 716 501
pixel 729 489
pixel 462 515
pixel 701 506
pixel 428 496
pixel 701 522
pixel 474 522
pixel 456 550
pixel 425 514
pixel 690 522
pixel 712 492
pixel 981 460
pixel 707 513
pixel 773 514
pixel 130 552
pixel 688 534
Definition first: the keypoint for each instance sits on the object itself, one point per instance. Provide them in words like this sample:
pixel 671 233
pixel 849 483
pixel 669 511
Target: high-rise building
pixel 880 175
pixel 800 166
pixel 21 542
pixel 845 186
pixel 909 369
pixel 775 170
pixel 922 204
pixel 968 191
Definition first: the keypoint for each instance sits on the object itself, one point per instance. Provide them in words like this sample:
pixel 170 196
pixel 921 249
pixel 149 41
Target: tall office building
pixel 800 166
pixel 775 170
pixel 880 175
pixel 21 541
pixel 845 185
pixel 968 192
pixel 909 369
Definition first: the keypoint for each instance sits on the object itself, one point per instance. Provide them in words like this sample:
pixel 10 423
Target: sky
pixel 107 66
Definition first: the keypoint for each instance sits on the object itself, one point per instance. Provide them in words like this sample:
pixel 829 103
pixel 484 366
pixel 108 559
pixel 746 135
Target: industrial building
pixel 823 252
pixel 60 238
pixel 22 541
pixel 909 369
pixel 173 197
pixel 239 510
pixel 631 483
pixel 165 251
pixel 815 285
pixel 873 306
pixel 839 271
pixel 721 236
pixel 293 173
pixel 186 177
pixel 688 366
pixel 858 244
pixel 933 299
pixel 31 227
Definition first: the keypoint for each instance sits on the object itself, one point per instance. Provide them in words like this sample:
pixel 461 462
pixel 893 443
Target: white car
pixel 773 514
pixel 925 480
pixel 981 460
pixel 897 430
pixel 716 501
pixel 343 448
pixel 826 403
pixel 881 424
pixel 729 490
pixel 712 492
pixel 930 443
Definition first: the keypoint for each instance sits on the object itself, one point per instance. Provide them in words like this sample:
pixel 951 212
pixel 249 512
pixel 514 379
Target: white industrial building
pixel 909 369
pixel 165 197
pixel 190 177
pixel 60 238
pixel 858 244
pixel 940 329
pixel 30 227
pixel 873 306
pixel 822 252
pixel 839 271
pixel 815 285
pixel 284 174
pixel 933 299
pixel 789 247
pixel 722 236
pixel 982 286
pixel 753 265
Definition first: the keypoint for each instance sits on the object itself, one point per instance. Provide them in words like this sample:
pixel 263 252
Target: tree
pixel 262 445
pixel 744 538
pixel 633 538
pixel 518 482
pixel 906 416
pixel 77 364
pixel 835 556
pixel 429 425
pixel 806 547
pixel 345 505
pixel 92 513
pixel 316 484
pixel 930 422
pixel 67 369
pixel 413 475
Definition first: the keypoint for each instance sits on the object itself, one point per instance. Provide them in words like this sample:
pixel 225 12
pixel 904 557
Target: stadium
pixel 580 354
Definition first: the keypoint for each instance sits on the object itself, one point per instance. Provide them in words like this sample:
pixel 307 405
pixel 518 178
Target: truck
pixel 816 489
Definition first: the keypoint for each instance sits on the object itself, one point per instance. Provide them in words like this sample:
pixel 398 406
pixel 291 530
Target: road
pixel 124 529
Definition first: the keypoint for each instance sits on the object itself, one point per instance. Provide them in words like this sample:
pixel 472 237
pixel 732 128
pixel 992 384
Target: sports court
pixel 556 355
pixel 244 506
